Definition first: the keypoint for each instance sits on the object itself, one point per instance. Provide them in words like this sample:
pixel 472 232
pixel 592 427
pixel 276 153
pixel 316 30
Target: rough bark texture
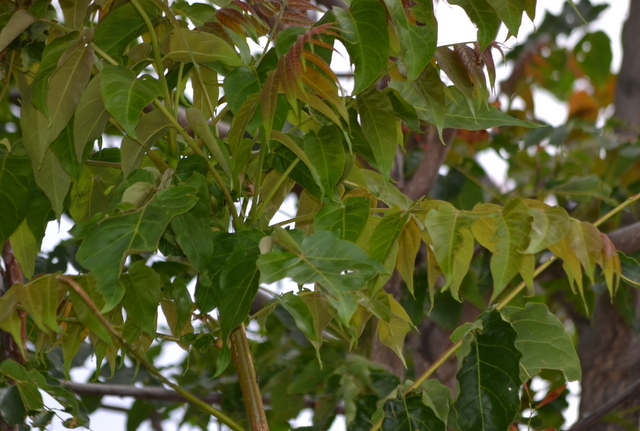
pixel 609 350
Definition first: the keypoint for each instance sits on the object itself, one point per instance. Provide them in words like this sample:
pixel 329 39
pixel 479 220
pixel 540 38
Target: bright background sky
pixel 454 27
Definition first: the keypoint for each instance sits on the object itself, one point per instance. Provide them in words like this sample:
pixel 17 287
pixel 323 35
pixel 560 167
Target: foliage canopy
pixel 171 144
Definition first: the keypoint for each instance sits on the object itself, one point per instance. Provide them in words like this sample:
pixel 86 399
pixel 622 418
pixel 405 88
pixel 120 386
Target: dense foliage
pixel 171 143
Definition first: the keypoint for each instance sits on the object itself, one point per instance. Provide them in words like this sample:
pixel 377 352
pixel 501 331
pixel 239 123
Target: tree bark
pixel 609 350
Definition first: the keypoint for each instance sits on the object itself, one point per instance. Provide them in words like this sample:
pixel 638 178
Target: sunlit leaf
pixel 488 377
pixel 450 232
pixel 548 227
pixel 104 249
pixel 543 341
pixel 364 30
pixel 125 95
pixel 586 242
pixel 393 332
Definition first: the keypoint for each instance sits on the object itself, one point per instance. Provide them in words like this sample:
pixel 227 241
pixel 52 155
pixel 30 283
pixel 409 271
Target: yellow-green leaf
pixel 393 332
pixel 408 247
pixel 193 46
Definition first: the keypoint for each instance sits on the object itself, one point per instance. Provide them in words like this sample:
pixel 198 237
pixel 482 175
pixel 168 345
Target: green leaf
pixel 549 226
pixel 25 248
pixel 630 269
pixel 418 41
pixel 41 298
pixel 410 412
pixel 71 340
pixel 53 180
pixel 451 63
pixel 318 307
pixel 239 282
pixel 150 128
pixel 15 171
pixel 104 249
pixel 386 234
pixel 450 232
pixel 64 150
pixel 67 84
pixel 381 129
pixel 301 315
pixel 457 114
pixel 586 243
pixel 292 145
pixel 596 60
pixel 580 188
pixel 408 248
pixel 142 296
pixel 543 341
pixel 393 332
pixel 205 89
pixel 19 22
pixel 364 31
pixel 199 125
pixel 403 110
pixel 122 26
pixel 347 220
pixel 326 153
pixel 339 266
pixel 89 193
pixel 12 410
pixel 510 12
pixel 91 117
pixel 85 313
pixel 511 238
pixel 125 95
pixel 432 92
pixel 488 377
pixel 74 12
pixel 484 17
pixel 193 46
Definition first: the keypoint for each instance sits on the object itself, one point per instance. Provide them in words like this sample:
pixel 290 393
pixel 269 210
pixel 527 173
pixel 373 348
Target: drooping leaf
pixel 91 117
pixel 381 129
pixel 53 180
pixel 25 248
pixel 142 296
pixel 386 233
pixel 239 282
pixel 404 110
pixel 64 150
pixel 412 412
pixel 586 242
pixel 484 17
pixel 121 26
pixel 84 312
pixel 326 153
pixel 393 332
pixel 347 220
pixel 15 171
pixel 543 341
pixel 104 249
pixel 12 410
pixel 510 12
pixel 150 128
pixel 408 248
pixel 74 12
pixel 452 239
pixel 188 46
pixel 125 95
pixel 418 41
pixel 570 263
pixel 450 62
pixel 431 90
pixel 488 377
pixel 364 30
pixel 319 311
pixel 205 89
pixel 67 83
pixel 41 298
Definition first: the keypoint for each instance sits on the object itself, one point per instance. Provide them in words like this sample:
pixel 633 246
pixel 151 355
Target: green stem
pixel 243 362
pixel 515 292
pixel 143 360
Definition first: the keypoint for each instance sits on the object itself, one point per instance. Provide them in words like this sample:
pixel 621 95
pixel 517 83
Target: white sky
pixel 454 27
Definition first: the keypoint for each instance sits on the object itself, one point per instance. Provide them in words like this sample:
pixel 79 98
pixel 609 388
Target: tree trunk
pixel 609 350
